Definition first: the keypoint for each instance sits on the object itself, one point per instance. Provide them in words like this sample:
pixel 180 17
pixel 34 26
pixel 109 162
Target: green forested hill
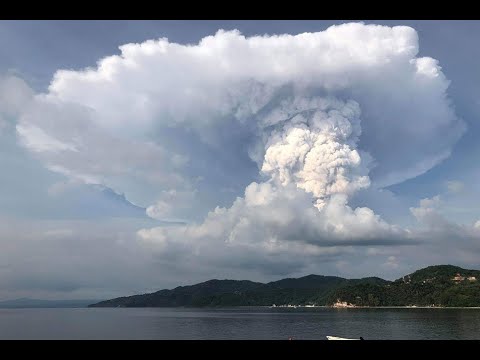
pixel 434 285
pixel 431 286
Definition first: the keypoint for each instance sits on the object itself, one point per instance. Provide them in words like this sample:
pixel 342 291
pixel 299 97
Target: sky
pixel 141 155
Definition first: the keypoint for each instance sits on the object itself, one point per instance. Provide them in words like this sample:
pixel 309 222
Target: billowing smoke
pixel 323 115
pixel 315 148
pixel 408 125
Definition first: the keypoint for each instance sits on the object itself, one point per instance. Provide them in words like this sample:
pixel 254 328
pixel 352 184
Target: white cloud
pixel 392 262
pixel 440 228
pixel 169 203
pixel 324 115
pixel 274 222
pixel 162 83
pixel 407 123
pixel 317 151
pixel 427 213
pixel 444 241
pixel 38 141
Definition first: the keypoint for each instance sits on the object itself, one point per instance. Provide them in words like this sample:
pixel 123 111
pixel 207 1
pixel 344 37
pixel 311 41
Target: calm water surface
pixel 238 323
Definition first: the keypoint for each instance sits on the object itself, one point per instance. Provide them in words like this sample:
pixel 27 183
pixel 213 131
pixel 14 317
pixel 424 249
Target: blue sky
pixel 349 151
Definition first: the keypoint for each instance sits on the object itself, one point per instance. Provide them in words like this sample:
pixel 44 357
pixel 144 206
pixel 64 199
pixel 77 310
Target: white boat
pixel 340 338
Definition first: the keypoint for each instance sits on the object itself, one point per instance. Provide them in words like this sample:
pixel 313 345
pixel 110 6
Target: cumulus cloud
pixel 402 97
pixel 408 125
pixel 323 115
pixel 437 227
pixel 312 143
pixel 276 223
pixel 170 203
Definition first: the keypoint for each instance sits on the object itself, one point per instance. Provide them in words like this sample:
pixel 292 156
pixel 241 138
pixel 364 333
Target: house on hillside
pixel 342 304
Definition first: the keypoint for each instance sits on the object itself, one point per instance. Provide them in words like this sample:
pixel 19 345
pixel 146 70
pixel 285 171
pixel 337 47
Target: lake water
pixel 238 323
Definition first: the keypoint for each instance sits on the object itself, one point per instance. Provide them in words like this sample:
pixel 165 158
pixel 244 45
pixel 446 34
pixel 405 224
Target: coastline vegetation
pixel 434 286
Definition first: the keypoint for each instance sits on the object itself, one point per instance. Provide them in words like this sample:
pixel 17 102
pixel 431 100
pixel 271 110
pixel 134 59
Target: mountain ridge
pixel 438 285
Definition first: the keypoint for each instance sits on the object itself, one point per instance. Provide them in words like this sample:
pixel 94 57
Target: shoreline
pixel 251 307
pixel 367 307
pixel 281 307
